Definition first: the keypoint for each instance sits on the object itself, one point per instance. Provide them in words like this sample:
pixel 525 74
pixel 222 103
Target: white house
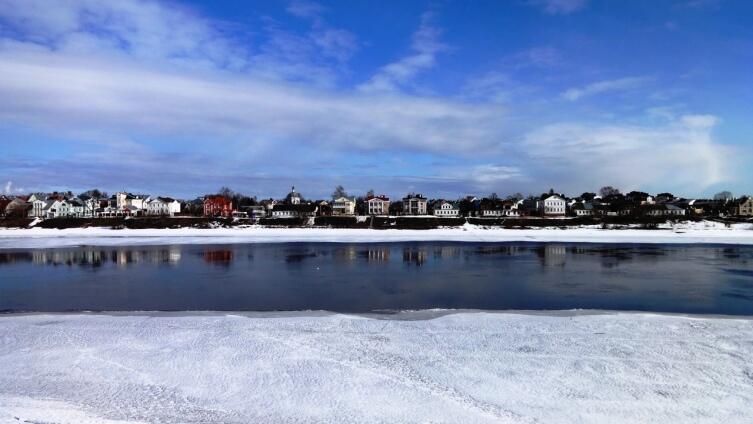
pixel 553 205
pixel 583 209
pixel 163 206
pixel 294 211
pixel 77 208
pixel 492 212
pixel 666 209
pixel 59 209
pixel 39 207
pixel 446 209
pixel 136 202
pixel 377 205
pixel 344 206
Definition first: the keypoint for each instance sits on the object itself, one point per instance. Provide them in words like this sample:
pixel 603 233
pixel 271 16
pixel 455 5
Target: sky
pixel 446 98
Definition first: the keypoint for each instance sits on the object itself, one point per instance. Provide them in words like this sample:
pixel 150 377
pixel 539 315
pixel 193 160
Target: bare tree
pixel 370 193
pixel 339 192
pixel 608 191
pixel 723 195
pixel 226 192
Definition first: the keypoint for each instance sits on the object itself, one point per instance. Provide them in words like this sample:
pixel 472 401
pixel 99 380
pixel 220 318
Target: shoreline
pixel 703 232
pixel 397 315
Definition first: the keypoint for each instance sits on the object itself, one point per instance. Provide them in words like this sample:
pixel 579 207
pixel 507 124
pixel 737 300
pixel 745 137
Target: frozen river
pixel 364 277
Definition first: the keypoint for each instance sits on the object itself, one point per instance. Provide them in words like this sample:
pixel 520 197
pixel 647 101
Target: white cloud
pixel 134 82
pixel 544 57
pixel 489 175
pixel 425 47
pixel 620 84
pixel 336 43
pixel 46 88
pixel 559 7
pixel 305 9
pixel 8 187
pixel 681 153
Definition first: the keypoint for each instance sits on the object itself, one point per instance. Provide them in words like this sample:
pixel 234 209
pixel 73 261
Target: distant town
pixel 608 202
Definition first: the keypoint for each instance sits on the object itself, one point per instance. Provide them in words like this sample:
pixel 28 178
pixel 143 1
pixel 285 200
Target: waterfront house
pixel 218 205
pixel 136 201
pixel 664 209
pixel 583 209
pixel 553 205
pixel 445 209
pixel 294 211
pixel 344 206
pixel 744 206
pixel 39 207
pixel 255 211
pixel 414 204
pixel 162 206
pixel 377 205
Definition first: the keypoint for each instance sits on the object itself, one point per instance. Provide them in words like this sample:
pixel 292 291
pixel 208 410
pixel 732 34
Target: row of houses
pixel 124 204
pixel 65 205
pixel 547 205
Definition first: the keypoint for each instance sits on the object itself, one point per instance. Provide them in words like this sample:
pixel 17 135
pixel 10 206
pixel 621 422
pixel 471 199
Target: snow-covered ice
pixel 317 367
pixel 687 232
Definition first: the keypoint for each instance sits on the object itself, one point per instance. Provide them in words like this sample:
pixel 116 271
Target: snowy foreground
pixel 688 232
pixel 416 367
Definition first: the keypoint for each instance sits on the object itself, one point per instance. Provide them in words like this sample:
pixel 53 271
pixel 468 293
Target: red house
pixel 218 206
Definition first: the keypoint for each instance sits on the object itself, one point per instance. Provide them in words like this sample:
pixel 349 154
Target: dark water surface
pixel 388 276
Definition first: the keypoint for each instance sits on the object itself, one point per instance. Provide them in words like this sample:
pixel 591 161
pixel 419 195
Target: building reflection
pixel 415 255
pixel 552 255
pixel 7 258
pixel 507 250
pixel 218 257
pixel 346 254
pixel 376 254
pixel 93 258
pixel 447 252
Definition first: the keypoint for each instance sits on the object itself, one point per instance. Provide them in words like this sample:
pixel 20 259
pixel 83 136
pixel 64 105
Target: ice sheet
pixel 463 367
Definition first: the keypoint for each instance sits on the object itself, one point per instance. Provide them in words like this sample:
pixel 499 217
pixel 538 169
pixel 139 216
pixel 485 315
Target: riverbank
pixel 700 232
pixel 319 367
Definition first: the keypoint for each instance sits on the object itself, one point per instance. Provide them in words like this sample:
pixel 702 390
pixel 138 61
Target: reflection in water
pixel 342 277
pixel 13 257
pixel 505 250
pixel 347 254
pixel 447 252
pixel 218 257
pixel 552 255
pixel 94 257
pixel 378 253
pixel 415 255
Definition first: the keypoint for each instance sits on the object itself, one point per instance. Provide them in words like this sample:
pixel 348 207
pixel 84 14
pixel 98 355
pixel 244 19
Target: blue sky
pixel 442 97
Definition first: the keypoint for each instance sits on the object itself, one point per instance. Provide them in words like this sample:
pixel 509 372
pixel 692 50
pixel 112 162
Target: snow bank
pixel 697 232
pixel 465 367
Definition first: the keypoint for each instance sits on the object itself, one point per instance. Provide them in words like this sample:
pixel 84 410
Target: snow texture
pixel 465 367
pixel 688 232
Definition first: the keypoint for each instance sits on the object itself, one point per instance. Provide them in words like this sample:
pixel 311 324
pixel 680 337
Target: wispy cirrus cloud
pixel 425 47
pixel 559 7
pixel 620 84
